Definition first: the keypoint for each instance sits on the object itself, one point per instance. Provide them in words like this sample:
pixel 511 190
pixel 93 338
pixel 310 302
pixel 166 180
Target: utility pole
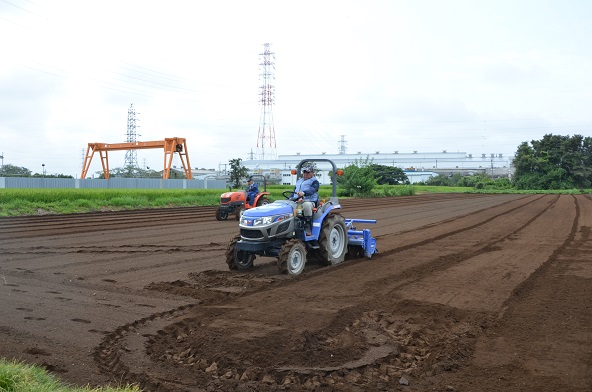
pixel 266 147
pixel 220 167
pixel 342 145
pixel 131 156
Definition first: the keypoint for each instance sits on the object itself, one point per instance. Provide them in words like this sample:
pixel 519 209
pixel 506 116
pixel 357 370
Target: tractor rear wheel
pixel 221 215
pixel 238 259
pixel 333 240
pixel 292 257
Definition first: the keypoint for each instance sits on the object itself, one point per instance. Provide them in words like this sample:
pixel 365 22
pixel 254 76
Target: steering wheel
pixel 287 194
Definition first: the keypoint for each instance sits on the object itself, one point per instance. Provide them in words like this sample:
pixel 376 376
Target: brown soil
pixel 467 293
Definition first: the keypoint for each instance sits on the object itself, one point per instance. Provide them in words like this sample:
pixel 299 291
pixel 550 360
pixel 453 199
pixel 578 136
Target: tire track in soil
pixel 540 332
pixel 35 226
pixel 116 249
pixel 377 326
pixel 501 264
pixel 451 233
pixel 444 262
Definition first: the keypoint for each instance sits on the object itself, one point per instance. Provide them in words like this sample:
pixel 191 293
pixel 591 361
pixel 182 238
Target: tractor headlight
pixel 263 221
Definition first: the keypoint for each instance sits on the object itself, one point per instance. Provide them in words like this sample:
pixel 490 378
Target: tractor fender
pixel 319 217
pixel 324 210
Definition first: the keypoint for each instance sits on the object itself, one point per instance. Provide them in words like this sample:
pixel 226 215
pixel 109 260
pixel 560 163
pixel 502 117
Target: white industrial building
pixel 417 166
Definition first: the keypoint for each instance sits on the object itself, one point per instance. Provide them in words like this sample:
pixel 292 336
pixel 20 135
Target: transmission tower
pixel 131 156
pixel 266 148
pixel 342 145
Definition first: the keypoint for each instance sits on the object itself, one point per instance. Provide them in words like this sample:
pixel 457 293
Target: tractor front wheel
pixel 238 259
pixel 292 257
pixel 333 240
pixel 221 215
pixel 262 201
pixel 239 213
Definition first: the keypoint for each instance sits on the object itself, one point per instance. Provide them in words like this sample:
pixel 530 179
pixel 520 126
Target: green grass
pixel 19 377
pixel 536 192
pixel 422 189
pixel 451 189
pixel 65 201
pixel 14 202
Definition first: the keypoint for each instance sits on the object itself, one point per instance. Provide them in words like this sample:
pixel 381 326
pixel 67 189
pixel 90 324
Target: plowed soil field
pixel 467 293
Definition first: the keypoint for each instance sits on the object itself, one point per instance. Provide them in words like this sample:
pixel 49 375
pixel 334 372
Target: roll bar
pixel 334 179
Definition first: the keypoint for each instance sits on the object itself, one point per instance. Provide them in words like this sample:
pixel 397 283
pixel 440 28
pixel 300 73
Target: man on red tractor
pixel 235 202
pixel 252 191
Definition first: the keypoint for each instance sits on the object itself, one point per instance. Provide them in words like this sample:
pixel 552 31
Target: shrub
pixel 358 179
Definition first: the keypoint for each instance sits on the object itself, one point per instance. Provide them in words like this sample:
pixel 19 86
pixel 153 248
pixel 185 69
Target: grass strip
pixel 20 377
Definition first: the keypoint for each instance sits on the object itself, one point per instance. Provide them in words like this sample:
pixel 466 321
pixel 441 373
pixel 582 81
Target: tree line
pixel 553 163
pixel 9 170
pixel 122 172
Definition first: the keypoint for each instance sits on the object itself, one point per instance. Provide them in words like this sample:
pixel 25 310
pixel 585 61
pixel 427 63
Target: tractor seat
pixel 320 208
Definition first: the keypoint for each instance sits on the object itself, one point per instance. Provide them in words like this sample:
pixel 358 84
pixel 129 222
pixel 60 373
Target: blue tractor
pixel 277 230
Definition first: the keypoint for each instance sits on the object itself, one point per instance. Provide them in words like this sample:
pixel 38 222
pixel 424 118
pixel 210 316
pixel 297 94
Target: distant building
pixel 417 166
pixel 200 174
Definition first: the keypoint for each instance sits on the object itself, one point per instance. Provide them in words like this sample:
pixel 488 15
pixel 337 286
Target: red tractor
pixel 236 202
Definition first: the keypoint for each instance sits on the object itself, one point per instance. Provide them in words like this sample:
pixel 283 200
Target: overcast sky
pixel 474 76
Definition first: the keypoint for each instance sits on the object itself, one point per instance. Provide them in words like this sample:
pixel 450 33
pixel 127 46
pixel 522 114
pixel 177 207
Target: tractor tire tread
pixel 329 223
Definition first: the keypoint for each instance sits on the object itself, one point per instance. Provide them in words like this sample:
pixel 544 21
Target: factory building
pixel 416 165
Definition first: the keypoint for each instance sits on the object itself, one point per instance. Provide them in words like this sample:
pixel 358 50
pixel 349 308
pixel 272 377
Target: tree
pixel 477 181
pixel 358 178
pixel 389 175
pixel 439 180
pixel 554 162
pixel 37 175
pixel 14 171
pixel 237 172
pixel 130 171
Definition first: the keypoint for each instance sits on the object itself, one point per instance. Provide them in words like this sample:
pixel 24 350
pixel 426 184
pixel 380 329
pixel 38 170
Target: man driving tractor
pixel 252 191
pixel 306 191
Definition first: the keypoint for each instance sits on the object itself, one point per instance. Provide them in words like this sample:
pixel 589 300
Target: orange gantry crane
pixel 171 145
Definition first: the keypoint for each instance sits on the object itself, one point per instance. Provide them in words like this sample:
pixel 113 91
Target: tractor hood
pixel 276 208
pixel 233 195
